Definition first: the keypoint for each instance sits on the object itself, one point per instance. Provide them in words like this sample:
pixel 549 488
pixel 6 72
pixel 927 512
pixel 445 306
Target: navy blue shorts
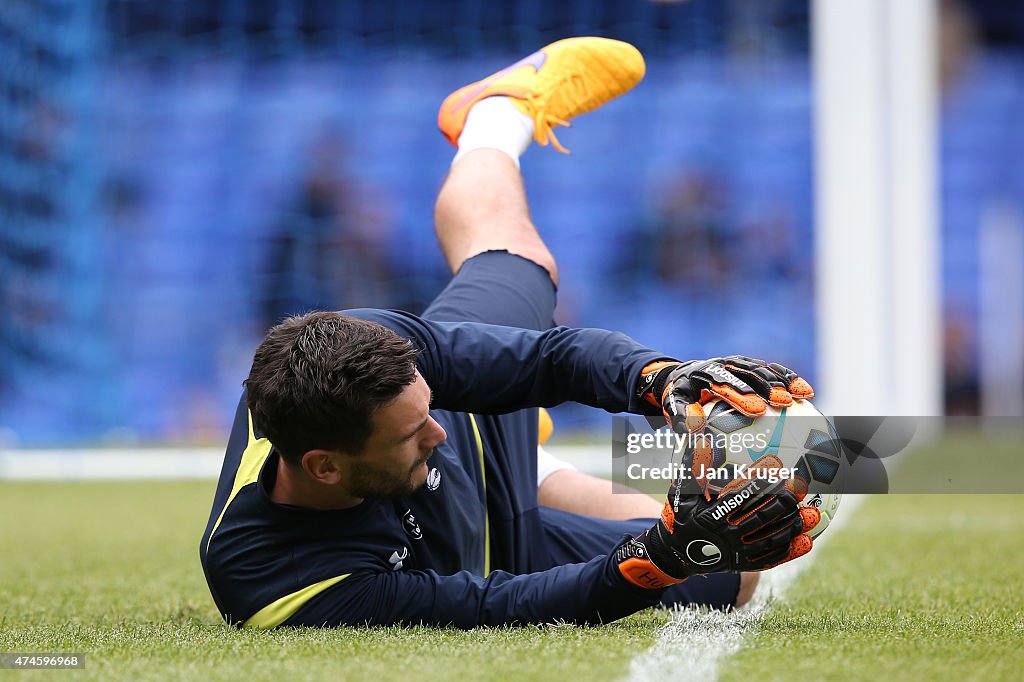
pixel 572 538
pixel 497 287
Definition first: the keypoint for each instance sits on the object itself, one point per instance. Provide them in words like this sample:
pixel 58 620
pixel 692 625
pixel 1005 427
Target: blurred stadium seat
pixel 155 154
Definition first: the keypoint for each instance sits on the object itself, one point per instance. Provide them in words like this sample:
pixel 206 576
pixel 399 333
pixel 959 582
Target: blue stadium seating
pixel 158 310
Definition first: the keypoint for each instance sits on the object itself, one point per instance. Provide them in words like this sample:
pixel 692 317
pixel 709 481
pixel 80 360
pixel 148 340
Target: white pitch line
pixel 110 464
pixel 82 464
pixel 692 645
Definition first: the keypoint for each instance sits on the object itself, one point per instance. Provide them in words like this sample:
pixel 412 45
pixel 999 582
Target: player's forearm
pixel 595 367
pixel 491 369
pixel 590 593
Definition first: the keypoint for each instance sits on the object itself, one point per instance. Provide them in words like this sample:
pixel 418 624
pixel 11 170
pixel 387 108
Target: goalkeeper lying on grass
pixel 383 468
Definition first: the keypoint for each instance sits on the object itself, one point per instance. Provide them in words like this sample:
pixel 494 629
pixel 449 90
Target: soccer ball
pixel 800 436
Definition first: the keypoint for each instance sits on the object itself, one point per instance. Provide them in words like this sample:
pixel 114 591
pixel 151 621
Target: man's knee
pixel 748 585
pixel 535 252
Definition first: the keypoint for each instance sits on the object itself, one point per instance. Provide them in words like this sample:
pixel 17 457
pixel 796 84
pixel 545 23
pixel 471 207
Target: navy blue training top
pixel 462 550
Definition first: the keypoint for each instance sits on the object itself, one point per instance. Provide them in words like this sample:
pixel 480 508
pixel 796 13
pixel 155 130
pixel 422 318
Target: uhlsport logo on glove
pixel 728 377
pixel 703 553
pixel 736 500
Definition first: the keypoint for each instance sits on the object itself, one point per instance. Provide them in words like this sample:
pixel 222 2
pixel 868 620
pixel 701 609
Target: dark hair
pixel 316 380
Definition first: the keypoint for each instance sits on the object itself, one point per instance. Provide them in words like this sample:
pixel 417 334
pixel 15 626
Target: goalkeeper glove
pixel 749 385
pixel 752 525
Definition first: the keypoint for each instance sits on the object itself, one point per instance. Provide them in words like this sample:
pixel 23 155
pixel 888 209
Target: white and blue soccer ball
pixel 803 439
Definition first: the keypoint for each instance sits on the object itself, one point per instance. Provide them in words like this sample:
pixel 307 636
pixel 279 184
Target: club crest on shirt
pixel 411 527
pixel 434 479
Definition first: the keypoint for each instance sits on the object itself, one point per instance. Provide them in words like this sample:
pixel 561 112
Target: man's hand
pixel 752 525
pixel 749 385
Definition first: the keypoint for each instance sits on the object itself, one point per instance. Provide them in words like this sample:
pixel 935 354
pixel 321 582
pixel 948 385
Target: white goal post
pixel 877 257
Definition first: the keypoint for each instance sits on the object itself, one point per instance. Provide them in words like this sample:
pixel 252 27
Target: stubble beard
pixel 376 485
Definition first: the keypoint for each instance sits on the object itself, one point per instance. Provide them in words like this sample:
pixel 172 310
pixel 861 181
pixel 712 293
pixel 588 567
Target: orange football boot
pixel 565 79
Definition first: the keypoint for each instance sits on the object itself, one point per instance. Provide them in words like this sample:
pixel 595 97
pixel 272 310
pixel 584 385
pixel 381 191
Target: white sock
pixel 496 123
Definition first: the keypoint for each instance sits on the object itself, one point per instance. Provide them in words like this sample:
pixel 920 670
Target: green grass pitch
pixel 914 587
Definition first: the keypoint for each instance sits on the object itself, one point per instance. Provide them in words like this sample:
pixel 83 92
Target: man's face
pixel 394 461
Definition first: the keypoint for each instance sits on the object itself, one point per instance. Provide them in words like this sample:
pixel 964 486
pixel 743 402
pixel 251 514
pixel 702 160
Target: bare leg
pixel 580 493
pixel 482 207
pixel 748 585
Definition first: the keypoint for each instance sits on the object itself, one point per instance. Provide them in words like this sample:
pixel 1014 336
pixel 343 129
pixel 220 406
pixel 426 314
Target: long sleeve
pixel 490 369
pixel 593 592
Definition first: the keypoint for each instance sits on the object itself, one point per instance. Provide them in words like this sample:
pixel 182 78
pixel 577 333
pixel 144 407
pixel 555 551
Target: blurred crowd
pixel 184 198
